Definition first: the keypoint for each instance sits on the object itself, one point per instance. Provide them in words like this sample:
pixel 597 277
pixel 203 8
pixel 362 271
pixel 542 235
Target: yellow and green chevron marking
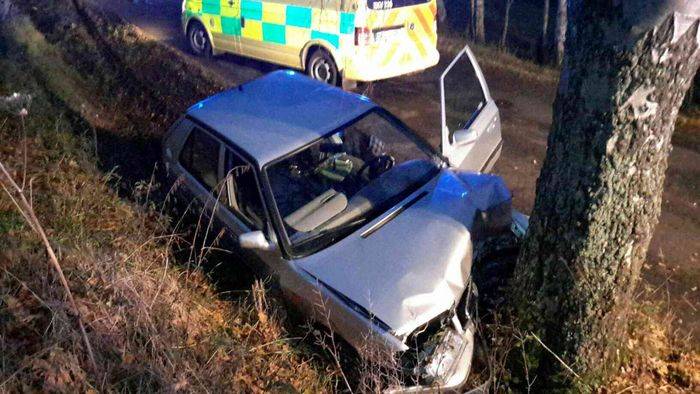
pixel 277 23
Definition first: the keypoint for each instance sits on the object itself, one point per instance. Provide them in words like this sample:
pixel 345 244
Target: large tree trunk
pixel 479 33
pixel 560 34
pixel 627 67
pixel 506 21
pixel 542 48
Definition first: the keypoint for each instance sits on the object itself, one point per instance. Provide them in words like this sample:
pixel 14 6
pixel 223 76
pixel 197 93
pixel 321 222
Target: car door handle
pixel 242 22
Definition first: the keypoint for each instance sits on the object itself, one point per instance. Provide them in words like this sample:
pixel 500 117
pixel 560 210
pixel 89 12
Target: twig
pixel 555 356
pixel 24 286
pixel 28 213
pixel 24 144
pixel 321 304
pixel 527 370
pixel 162 280
pixel 689 303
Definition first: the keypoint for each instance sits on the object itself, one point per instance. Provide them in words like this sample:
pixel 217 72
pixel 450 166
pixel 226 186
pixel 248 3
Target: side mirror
pixel 464 136
pixel 254 240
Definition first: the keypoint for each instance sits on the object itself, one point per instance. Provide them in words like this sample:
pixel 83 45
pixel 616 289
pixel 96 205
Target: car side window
pixel 200 157
pixel 464 95
pixel 242 195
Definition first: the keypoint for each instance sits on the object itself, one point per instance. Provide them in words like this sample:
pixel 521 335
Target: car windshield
pixel 346 179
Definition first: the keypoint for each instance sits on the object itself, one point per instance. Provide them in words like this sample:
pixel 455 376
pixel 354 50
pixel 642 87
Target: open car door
pixel 471 125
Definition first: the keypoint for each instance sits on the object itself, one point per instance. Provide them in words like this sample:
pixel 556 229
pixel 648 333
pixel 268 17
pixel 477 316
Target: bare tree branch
pixel 27 211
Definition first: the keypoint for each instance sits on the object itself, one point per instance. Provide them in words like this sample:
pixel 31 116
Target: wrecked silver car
pixel 364 226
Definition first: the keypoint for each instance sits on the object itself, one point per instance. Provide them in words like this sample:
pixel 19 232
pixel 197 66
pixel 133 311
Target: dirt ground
pixel 525 101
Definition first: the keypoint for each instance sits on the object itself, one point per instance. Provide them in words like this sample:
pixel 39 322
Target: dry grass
pixel 656 357
pixel 153 324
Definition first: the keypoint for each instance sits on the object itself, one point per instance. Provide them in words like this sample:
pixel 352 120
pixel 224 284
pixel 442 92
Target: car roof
pixel 278 113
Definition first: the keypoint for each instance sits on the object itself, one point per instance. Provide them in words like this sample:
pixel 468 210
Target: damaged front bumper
pixel 447 368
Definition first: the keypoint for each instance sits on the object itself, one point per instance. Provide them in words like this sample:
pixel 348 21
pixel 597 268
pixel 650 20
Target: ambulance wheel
pixel 199 40
pixel 322 67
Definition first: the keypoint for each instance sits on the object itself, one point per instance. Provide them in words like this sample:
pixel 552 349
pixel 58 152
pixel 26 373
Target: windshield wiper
pixel 317 234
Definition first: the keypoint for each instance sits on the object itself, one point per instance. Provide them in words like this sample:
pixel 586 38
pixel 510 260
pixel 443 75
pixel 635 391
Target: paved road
pixel 674 261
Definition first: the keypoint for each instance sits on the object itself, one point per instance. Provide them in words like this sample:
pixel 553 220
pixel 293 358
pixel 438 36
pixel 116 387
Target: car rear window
pixel 200 157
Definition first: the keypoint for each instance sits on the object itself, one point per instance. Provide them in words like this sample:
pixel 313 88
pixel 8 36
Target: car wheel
pixel 199 40
pixel 322 67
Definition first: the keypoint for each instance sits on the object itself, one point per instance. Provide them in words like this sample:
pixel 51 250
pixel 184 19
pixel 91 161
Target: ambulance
pixel 333 41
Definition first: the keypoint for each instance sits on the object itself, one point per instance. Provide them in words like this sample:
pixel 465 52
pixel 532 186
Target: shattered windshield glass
pixel 346 179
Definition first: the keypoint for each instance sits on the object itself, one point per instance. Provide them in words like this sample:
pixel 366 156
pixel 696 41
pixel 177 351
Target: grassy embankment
pixel 101 98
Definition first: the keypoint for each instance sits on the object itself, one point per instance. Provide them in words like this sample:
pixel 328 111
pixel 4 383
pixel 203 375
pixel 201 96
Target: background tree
pixel 542 47
pixel 506 21
pixel 442 11
pixel 472 18
pixel 560 34
pixel 4 9
pixel 627 66
pixel 479 32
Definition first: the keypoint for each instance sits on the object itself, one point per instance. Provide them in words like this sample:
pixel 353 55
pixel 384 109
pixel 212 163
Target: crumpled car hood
pixel 417 265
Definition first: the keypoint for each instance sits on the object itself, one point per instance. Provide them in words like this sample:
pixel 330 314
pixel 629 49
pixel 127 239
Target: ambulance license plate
pixel 387 35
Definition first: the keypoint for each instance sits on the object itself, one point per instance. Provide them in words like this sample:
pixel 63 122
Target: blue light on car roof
pixel 197 106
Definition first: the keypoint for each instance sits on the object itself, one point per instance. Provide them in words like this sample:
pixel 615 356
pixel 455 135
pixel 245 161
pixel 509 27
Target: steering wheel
pixel 376 166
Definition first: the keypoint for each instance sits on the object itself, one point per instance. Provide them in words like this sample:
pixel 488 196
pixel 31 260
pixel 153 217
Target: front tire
pixel 322 67
pixel 198 39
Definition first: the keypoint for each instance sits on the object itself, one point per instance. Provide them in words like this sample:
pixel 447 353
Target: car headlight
pixel 422 345
pixel 434 348
pixel 445 355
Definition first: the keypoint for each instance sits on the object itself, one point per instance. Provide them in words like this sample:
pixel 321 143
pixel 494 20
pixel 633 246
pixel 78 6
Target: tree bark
pixel 561 31
pixel 506 21
pixel 542 49
pixel 627 67
pixel 479 32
